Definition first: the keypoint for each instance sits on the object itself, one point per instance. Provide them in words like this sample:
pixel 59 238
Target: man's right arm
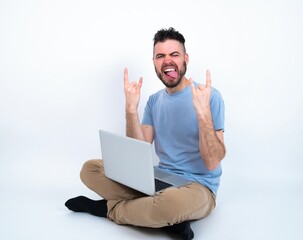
pixel 137 131
pixel 132 98
pixel 133 128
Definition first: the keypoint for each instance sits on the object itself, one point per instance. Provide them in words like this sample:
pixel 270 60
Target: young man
pixel 186 122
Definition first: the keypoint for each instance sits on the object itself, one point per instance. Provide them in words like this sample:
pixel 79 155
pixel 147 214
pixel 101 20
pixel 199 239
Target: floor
pixel 32 207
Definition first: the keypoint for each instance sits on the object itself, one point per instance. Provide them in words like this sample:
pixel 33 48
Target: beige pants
pixel 127 206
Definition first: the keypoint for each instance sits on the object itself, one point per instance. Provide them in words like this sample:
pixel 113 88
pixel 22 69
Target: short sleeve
pixel 217 109
pixel 147 116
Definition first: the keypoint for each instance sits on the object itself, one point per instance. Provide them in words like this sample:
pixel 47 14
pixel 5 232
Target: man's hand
pixel 201 95
pixel 132 93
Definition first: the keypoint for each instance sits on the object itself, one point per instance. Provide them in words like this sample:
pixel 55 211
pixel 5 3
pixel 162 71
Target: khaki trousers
pixel 128 206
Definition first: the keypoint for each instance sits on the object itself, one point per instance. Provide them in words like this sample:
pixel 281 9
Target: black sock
pixel 84 204
pixel 182 229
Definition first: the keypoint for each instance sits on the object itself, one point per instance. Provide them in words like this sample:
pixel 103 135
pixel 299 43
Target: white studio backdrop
pixel 61 79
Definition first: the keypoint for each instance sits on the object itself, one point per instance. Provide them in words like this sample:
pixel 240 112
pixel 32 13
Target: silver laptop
pixel 130 162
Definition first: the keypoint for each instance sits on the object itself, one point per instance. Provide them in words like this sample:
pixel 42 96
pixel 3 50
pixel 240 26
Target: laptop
pixel 130 162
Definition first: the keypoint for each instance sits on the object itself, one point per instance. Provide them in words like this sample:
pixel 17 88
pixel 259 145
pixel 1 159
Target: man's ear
pixel 186 58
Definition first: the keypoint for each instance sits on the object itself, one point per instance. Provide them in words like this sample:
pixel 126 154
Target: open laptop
pixel 130 162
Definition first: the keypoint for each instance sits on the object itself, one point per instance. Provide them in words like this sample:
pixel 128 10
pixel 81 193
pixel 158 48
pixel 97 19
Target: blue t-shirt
pixel 176 134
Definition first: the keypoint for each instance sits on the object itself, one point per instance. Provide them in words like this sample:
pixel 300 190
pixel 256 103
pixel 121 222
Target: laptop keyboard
pixel 160 185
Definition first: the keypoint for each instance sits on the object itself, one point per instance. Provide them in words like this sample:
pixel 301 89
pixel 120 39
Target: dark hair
pixel 164 34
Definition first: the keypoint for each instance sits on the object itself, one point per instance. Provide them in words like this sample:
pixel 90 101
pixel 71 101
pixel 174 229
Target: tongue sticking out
pixel 172 74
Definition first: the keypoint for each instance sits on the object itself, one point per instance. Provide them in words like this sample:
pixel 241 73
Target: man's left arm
pixel 211 142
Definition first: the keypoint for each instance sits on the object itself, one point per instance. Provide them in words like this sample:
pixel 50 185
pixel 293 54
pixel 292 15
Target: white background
pixel 61 79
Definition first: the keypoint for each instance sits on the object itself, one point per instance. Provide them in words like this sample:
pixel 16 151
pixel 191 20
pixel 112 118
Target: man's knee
pixel 182 204
pixel 169 207
pixel 90 168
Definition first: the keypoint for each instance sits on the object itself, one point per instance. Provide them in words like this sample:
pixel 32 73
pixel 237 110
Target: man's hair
pixel 164 34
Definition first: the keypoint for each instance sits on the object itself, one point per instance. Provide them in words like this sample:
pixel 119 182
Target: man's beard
pixel 173 84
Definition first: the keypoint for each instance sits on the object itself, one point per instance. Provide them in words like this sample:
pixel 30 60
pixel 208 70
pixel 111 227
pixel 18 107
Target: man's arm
pixel 132 99
pixel 137 131
pixel 211 143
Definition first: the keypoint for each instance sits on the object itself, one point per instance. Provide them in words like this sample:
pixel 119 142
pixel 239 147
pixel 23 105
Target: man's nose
pixel 168 61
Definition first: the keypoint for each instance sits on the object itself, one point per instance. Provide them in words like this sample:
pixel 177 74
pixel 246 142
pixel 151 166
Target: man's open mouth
pixel 171 72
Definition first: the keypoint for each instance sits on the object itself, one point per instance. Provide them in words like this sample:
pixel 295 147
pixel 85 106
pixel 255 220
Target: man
pixel 186 122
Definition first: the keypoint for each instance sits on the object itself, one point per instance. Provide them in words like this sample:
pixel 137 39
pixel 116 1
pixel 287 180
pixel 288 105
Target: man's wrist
pixel 204 113
pixel 131 112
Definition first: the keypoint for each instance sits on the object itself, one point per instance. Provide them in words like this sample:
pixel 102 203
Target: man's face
pixel 170 62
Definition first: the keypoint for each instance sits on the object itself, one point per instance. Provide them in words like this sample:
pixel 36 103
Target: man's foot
pixel 182 229
pixel 84 204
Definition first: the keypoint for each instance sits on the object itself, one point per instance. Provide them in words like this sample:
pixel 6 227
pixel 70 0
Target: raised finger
pixel 140 83
pixel 208 79
pixel 126 82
